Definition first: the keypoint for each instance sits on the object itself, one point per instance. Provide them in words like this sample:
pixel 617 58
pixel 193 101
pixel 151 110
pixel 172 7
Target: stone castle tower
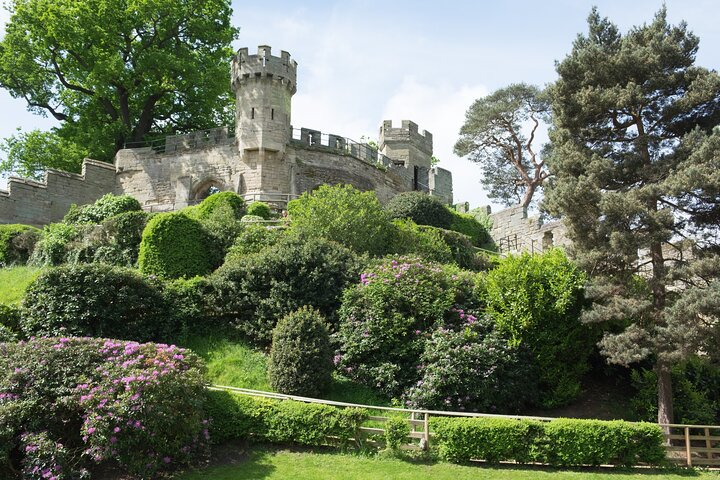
pixel 262 158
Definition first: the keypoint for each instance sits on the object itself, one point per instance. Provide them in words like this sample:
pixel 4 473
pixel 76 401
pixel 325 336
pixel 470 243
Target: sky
pixel 362 62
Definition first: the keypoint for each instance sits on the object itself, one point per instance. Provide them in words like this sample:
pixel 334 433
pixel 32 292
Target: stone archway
pixel 205 188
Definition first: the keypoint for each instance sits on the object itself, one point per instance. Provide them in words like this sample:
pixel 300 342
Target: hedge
pixel 561 442
pixel 241 417
pixel 16 243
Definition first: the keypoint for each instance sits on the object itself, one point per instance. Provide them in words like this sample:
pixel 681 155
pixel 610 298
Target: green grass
pixel 14 281
pixel 264 463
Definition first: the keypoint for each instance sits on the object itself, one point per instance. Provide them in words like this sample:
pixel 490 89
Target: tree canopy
pixel 116 71
pixel 635 161
pixel 494 137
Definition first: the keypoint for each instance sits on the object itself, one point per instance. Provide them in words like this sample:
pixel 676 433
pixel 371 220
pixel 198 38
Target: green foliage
pixel 463 253
pixel 254 291
pixel 29 154
pixel 241 417
pixel 397 431
pixel 14 281
pixel 173 246
pixel 61 398
pixel 301 356
pixel 536 301
pixel 95 300
pixel 421 208
pixel 230 201
pixel 190 307
pixel 386 317
pixel 472 368
pixel 52 248
pixel 105 207
pixel 17 243
pixel 343 214
pixel 139 79
pixel 252 239
pixel 9 323
pixel 260 209
pixel 561 442
pixel 252 219
pixel 696 392
pixel 468 225
pixel 123 234
pixel 493 136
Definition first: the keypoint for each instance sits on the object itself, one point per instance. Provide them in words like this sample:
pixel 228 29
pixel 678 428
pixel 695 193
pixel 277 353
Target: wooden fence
pixel 691 445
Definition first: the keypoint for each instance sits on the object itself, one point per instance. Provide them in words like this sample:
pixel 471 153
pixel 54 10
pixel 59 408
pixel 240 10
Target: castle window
pixel 272 114
pixel 252 113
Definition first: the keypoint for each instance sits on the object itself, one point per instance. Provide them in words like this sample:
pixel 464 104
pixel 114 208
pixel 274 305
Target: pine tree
pixel 636 160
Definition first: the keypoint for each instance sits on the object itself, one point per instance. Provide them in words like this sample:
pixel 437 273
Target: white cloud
pixel 440 109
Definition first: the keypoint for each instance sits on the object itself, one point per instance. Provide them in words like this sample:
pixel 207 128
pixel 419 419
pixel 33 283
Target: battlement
pixel 246 66
pixel 407 133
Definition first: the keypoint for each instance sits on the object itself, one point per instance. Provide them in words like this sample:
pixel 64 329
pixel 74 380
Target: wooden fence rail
pixel 691 445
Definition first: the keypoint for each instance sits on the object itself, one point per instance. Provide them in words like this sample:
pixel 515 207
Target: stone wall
pixel 39 203
pixel 513 231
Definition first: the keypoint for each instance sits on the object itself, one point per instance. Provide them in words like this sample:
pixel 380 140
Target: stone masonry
pixel 262 158
pixel 513 231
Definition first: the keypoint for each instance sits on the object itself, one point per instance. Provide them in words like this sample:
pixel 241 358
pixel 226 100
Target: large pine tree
pixel 636 158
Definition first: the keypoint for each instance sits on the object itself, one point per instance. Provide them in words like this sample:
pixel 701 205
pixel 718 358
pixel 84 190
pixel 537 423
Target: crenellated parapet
pixel 264 65
pixel 406 143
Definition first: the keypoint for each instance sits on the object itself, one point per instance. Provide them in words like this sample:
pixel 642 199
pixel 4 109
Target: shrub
pixel 241 417
pixel 253 239
pixel 124 232
pixel 17 243
pixel 472 368
pixel 260 209
pixel 397 431
pixel 343 214
pixel 230 201
pixel 467 225
pixel 52 248
pixel 9 323
pixel 95 300
pixel 105 207
pixel 173 246
pixel 62 409
pixel 257 290
pixel 536 301
pixel 386 317
pixel 463 253
pixel 301 356
pixel 421 208
pixel 190 303
pixel 252 219
pixel 561 442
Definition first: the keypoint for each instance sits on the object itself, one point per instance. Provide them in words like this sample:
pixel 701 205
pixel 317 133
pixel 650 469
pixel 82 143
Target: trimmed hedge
pixel 561 442
pixel 174 246
pixel 421 208
pixel 241 417
pixel 467 225
pixel 221 200
pixel 260 209
pixel 17 243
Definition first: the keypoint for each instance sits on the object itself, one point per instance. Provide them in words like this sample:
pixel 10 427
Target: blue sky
pixel 361 62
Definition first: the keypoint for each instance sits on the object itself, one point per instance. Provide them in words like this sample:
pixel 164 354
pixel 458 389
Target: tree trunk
pixel 527 198
pixel 665 399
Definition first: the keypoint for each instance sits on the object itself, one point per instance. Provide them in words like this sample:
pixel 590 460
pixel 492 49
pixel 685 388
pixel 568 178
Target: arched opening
pixel 206 188
pixel 547 241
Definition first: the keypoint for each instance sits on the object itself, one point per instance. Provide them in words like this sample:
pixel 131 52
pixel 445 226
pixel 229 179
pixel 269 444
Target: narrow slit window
pixel 252 113
pixel 272 114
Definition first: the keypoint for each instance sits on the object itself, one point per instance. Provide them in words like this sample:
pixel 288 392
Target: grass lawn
pixel 14 281
pixel 265 463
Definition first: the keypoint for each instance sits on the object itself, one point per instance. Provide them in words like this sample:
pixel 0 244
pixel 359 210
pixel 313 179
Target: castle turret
pixel 263 86
pixel 406 144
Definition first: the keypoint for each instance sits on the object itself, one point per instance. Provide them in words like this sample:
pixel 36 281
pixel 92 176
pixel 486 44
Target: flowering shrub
pixel 70 404
pixel 472 368
pixel 386 319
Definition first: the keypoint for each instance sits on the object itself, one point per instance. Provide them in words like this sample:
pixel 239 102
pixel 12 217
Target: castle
pixel 263 159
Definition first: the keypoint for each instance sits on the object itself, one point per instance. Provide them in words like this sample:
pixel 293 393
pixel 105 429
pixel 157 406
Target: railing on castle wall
pixel 343 145
pixel 690 445
pixel 197 139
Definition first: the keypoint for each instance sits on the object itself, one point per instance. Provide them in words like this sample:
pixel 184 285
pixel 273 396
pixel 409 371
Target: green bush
pixel 463 253
pixel 260 209
pixel 256 290
pixel 696 392
pixel 301 356
pixel 561 442
pixel 252 219
pixel 17 243
pixel 397 431
pixel 410 239
pixel 189 302
pixel 387 317
pixel 252 239
pixel 105 207
pixel 421 208
pixel 9 323
pixel 95 300
pixel 472 368
pixel 343 214
pixel 241 417
pixel 123 234
pixel 467 225
pixel 230 201
pixel 174 245
pixel 53 246
pixel 71 405
pixel 535 300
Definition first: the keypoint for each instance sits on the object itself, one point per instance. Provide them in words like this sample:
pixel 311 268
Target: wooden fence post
pixel 426 431
pixel 687 447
